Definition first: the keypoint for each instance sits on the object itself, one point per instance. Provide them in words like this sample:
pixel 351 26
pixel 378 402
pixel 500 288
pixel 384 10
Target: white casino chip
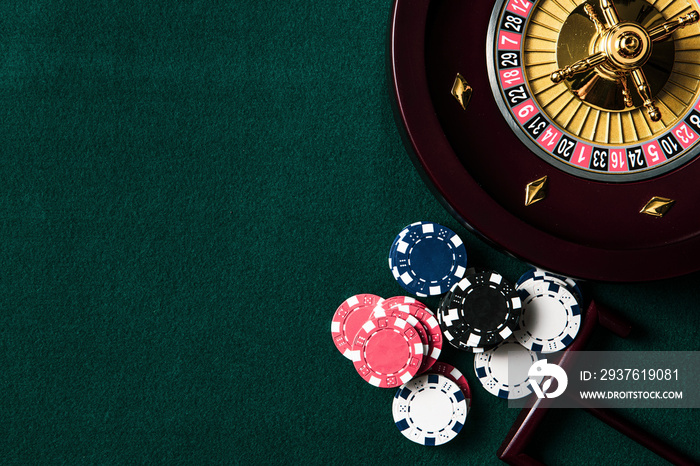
pixel 430 409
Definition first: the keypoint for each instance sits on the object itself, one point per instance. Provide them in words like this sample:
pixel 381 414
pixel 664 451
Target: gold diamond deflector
pixel 536 191
pixel 657 206
pixel 462 91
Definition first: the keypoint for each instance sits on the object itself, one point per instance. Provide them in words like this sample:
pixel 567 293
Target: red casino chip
pixel 387 352
pixel 428 327
pixel 395 301
pixel 432 328
pixel 349 318
pixel 399 300
pixel 402 313
pixel 421 309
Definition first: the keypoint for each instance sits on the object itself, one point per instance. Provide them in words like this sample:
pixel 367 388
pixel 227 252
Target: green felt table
pixel 189 190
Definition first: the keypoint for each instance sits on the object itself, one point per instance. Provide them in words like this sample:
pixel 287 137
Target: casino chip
pixel 551 316
pixel 406 307
pixel 451 336
pixel 540 274
pixel 398 239
pixel 349 318
pixel 430 409
pixel 427 259
pixel 454 375
pixel 402 313
pixel 434 332
pixel 387 352
pixel 492 368
pixel 481 310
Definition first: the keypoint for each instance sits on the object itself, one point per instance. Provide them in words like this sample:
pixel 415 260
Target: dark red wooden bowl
pixel 478 168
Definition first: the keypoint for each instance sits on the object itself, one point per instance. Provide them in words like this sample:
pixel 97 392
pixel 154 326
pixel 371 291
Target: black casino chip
pixel 480 311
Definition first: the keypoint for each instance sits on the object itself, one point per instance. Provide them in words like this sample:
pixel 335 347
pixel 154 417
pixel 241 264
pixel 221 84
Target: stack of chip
pixel 389 341
pixel 486 315
pixel 551 311
pixel 396 342
pixel 427 259
pixel 427 326
pixel 550 320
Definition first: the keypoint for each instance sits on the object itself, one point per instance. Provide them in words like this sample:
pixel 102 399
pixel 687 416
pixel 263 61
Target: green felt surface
pixel 189 190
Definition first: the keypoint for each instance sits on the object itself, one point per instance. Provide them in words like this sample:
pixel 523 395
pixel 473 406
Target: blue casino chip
pixel 398 239
pixel 427 259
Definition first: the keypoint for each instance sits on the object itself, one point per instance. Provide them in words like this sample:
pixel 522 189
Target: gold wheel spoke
pixel 593 16
pixel 578 67
pixel 644 92
pixel 626 91
pixel 609 13
pixel 669 27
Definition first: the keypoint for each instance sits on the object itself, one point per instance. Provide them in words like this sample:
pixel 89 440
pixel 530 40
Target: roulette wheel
pixel 565 132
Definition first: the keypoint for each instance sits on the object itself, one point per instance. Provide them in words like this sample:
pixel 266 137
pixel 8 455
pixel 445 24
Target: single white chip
pixel 430 409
